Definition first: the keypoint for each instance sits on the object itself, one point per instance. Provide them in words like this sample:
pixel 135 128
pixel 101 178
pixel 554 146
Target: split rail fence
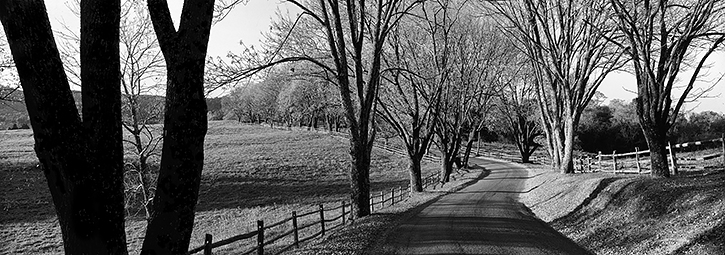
pixel 687 156
pixel 308 225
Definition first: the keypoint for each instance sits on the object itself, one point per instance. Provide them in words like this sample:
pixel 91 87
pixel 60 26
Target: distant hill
pixel 13 111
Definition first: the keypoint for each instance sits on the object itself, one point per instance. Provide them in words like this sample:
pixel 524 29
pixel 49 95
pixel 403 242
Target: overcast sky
pixel 247 22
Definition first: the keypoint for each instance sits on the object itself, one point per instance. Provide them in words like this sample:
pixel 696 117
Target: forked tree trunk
pixel 82 161
pixel 185 125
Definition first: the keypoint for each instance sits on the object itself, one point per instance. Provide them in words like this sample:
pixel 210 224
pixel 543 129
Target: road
pixel 483 218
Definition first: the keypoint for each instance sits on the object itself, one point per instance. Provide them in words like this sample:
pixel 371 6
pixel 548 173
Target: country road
pixel 483 218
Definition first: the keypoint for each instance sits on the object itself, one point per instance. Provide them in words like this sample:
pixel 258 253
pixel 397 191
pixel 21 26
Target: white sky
pixel 247 22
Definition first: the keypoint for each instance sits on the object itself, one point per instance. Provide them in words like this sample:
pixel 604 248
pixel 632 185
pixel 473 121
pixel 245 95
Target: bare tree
pixel 565 42
pixel 345 41
pixel 663 39
pixel 517 109
pixel 410 95
pixel 142 66
pixel 9 86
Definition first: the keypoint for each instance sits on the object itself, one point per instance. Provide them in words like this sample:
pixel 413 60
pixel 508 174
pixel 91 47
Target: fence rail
pixel 638 162
pixel 341 212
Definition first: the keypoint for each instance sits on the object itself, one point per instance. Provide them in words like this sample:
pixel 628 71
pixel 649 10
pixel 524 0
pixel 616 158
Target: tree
pixel 77 156
pixel 659 37
pixel 142 66
pixel 185 124
pixel 83 159
pixel 345 41
pixel 517 107
pixel 8 76
pixel 565 43
pixel 410 95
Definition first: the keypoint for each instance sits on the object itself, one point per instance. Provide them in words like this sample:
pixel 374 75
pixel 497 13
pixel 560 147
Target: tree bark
pixel 657 142
pixel 185 125
pixel 467 150
pixel 82 161
pixel 414 169
pixel 359 178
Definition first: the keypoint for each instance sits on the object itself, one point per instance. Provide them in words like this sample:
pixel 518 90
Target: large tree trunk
pixel 359 177
pixel 567 161
pixel 82 161
pixel 414 169
pixel 185 125
pixel 446 168
pixel 657 142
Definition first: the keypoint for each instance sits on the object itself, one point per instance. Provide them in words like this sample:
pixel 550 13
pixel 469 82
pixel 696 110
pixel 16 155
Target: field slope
pixel 250 172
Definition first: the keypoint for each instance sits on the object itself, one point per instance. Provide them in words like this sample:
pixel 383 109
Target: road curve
pixel 483 218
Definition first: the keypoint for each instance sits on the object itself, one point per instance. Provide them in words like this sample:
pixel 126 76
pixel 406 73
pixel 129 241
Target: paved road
pixel 483 218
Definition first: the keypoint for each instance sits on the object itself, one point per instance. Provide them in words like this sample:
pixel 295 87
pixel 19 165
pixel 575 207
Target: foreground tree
pixel 662 38
pixel 83 159
pixel 565 42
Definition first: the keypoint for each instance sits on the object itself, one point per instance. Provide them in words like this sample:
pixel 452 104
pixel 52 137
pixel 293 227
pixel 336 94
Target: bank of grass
pixel 633 214
pixel 250 173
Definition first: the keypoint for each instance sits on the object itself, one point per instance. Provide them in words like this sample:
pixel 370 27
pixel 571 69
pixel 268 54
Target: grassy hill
pixel 626 214
pixel 250 172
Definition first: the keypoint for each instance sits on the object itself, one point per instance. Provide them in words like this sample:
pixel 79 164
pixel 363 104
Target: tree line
pixel 614 127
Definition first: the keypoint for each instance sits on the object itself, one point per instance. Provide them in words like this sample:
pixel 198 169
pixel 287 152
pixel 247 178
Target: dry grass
pixel 250 173
pixel 619 214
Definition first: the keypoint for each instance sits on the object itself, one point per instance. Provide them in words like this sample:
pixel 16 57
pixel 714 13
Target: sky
pixel 247 22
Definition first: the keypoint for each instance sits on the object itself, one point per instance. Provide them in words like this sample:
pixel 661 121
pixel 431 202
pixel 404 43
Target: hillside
pixel 251 172
pixel 14 111
pixel 622 214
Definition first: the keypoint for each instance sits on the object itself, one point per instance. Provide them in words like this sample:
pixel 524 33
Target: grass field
pixel 250 172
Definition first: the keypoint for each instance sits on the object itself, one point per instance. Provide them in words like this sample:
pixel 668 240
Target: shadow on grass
pixel 24 195
pixel 237 191
pixel 638 214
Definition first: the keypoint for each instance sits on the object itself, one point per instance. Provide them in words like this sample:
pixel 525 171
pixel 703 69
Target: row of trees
pixel 615 127
pixel 426 68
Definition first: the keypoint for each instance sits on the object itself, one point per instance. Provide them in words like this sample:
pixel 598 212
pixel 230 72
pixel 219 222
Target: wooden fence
pixel 638 162
pixel 321 218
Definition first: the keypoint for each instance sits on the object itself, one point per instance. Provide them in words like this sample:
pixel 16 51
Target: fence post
pixel 599 160
pixel 392 196
pixel 322 220
pixel 589 164
pixel 636 156
pixel 581 164
pixel 343 212
pixel 382 199
pixel 372 202
pixel 294 227
pixel 673 159
pixel 614 158
pixel 207 244
pixel 260 237
pixel 722 141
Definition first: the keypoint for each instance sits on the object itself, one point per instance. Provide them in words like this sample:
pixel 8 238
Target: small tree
pixel 517 109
